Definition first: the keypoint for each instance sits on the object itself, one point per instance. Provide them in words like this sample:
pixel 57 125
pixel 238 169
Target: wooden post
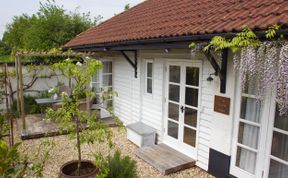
pixel 10 117
pixel 17 82
pixel 6 91
pixel 21 95
pixel 88 101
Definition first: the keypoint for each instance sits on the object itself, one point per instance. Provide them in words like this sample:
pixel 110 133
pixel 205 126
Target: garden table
pixel 44 101
pixel 47 101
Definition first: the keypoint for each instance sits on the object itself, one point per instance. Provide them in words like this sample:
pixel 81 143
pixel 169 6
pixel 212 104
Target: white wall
pixel 132 104
pixel 126 104
pixel 41 83
pixel 221 134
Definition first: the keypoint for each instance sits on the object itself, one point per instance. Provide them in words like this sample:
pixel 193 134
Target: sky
pixel 105 8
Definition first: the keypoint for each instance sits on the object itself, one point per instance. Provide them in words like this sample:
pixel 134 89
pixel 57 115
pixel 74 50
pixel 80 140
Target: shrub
pixel 11 162
pixel 121 167
pixel 31 107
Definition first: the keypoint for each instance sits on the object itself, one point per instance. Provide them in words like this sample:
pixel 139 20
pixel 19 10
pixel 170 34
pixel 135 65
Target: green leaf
pixel 192 45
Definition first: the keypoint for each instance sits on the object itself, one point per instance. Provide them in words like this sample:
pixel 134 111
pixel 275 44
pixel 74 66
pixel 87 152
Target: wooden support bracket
pixel 223 71
pixel 132 63
pixel 219 71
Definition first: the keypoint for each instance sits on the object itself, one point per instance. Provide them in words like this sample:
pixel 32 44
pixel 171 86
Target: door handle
pixel 182 109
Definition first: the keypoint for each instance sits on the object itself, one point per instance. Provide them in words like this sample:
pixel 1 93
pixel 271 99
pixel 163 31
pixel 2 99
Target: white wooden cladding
pixel 133 104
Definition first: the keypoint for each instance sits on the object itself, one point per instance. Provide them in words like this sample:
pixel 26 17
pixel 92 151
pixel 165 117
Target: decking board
pixel 164 158
pixel 36 127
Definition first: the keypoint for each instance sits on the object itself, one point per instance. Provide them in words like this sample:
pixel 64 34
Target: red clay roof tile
pixel 169 18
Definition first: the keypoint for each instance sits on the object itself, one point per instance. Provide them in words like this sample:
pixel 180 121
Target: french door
pixel 100 82
pixel 260 141
pixel 277 154
pixel 182 106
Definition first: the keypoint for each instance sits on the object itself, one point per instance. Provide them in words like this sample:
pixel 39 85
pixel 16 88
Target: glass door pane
pixel 174 100
pixel 248 130
pixel 279 151
pixel 191 105
pixel 107 81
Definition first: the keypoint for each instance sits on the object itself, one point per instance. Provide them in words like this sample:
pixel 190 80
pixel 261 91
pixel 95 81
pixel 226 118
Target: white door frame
pixel 183 147
pixel 103 112
pixel 264 136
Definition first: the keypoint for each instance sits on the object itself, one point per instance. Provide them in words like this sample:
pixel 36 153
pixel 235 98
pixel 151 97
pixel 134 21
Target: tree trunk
pixel 78 144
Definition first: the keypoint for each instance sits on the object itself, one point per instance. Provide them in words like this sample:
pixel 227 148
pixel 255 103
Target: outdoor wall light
pixel 210 78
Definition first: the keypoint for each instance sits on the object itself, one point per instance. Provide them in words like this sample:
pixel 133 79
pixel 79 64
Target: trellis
pixel 19 73
pixel 8 115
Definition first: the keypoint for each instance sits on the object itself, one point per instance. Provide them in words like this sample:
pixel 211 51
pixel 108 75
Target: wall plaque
pixel 222 104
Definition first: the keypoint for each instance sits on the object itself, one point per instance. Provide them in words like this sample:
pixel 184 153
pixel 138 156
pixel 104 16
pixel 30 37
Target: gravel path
pixel 65 150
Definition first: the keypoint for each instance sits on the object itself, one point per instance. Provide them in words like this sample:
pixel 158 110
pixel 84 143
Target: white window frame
pixel 147 61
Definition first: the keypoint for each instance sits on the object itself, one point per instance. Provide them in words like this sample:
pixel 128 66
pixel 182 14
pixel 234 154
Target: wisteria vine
pixel 268 66
pixel 264 64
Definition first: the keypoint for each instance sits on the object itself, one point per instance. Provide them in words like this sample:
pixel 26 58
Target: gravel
pixel 65 150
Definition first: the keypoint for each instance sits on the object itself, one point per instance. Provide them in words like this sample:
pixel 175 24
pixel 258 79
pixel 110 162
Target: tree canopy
pixel 51 27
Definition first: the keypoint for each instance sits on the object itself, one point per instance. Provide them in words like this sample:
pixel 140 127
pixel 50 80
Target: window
pixel 149 77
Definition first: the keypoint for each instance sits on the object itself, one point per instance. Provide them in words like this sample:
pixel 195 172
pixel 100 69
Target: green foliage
pixel 2 85
pixel 4 125
pixel 192 45
pixel 11 162
pixel 121 167
pixel 242 39
pixel 31 107
pixel 38 160
pixel 271 32
pixel 50 27
pixel 4 50
pixel 6 58
pixel 116 166
pixel 15 164
pixel 69 116
pixel 14 36
pixel 127 7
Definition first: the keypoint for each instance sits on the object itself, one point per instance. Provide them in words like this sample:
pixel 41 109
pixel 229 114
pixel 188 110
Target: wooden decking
pixel 36 127
pixel 164 158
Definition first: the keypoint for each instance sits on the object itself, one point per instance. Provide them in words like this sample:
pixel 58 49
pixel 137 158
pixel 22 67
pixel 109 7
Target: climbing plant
pixel 263 62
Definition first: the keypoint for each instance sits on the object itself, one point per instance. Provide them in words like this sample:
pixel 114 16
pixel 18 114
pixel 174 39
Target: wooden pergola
pixel 4 79
pixel 19 73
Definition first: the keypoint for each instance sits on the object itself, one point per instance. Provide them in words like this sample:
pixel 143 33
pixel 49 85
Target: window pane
pixel 107 67
pixel 173 129
pixel 190 117
pixel 280 146
pixel 174 74
pixel 251 86
pixel 107 80
pixel 149 85
pixel 277 170
pixel 246 159
pixel 149 69
pixel 250 109
pixel 248 135
pixel 192 76
pixel 191 97
pixel 173 112
pixel 96 87
pixel 96 77
pixel 189 136
pixel 174 91
pixel 281 122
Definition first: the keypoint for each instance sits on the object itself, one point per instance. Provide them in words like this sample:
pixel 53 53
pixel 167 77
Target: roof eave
pixel 161 43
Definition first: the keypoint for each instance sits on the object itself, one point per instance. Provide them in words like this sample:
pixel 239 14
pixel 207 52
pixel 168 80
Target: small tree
pixel 80 124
